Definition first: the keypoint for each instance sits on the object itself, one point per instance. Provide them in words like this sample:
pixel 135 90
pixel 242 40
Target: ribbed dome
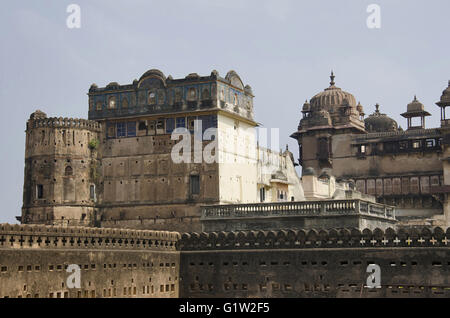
pixel 360 109
pixel 332 96
pixel 378 122
pixel 415 106
pixel 445 98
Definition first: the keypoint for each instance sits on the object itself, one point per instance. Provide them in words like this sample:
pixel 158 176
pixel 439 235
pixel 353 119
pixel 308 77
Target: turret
pixel 60 170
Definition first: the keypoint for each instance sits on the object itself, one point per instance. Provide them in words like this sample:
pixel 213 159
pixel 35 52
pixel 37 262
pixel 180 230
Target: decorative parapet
pixel 59 122
pixel 42 236
pixel 306 208
pixel 301 239
pixel 400 133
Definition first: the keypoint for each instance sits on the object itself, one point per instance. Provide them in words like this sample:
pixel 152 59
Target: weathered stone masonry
pixel 130 263
pixel 114 263
pixel 333 263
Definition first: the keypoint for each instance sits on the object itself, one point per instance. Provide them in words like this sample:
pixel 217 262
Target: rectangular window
pixel 181 122
pixel 431 143
pixel 170 125
pixel 262 194
pixel 195 184
pixel 191 124
pixel 39 191
pixel 111 131
pixel 92 192
pixel 142 125
pixel 362 149
pixel 152 127
pixel 121 130
pixel 131 129
pixel 403 145
pixel 160 126
pixel 416 144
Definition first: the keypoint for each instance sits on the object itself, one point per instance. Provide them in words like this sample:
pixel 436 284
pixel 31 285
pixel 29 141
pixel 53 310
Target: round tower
pixel 60 171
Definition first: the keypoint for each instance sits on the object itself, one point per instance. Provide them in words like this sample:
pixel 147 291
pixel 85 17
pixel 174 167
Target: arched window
pixel 152 98
pixel 124 103
pixel 177 96
pixel 235 99
pixel 192 94
pixel 161 96
pixel 112 102
pixel 205 94
pixel 98 105
pixel 68 171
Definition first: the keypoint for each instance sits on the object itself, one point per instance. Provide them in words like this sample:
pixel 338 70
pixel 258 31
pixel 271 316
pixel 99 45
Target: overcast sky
pixel 284 49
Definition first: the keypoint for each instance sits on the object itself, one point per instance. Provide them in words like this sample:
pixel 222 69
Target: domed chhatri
pixel 443 103
pixel 445 97
pixel 378 122
pixel 332 96
pixel 415 109
pixel 306 109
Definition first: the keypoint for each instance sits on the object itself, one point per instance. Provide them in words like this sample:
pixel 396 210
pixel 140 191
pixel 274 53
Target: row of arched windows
pixel 157 97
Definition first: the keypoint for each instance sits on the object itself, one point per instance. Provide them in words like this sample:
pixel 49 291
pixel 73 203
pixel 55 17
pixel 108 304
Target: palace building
pixel 116 169
pixel 408 168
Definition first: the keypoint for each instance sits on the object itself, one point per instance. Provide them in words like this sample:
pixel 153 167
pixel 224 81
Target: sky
pixel 284 49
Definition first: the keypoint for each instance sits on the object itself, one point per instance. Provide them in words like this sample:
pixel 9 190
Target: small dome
pixel 154 73
pixel 38 114
pixel 445 98
pixel 112 85
pixel 279 175
pixel 306 107
pixel 415 106
pixel 309 172
pixel 332 96
pixel 378 122
pixel 192 75
pixel 360 108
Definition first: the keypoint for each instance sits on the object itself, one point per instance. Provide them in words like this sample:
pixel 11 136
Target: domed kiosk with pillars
pixel 402 168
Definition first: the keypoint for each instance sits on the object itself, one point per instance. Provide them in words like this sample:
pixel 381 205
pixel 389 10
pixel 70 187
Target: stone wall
pixel 113 263
pixel 413 263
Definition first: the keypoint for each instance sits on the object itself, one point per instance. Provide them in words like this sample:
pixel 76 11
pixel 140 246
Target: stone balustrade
pixel 306 208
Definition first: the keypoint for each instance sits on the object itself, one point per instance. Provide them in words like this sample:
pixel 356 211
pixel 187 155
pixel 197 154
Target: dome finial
pixel 377 108
pixel 415 97
pixel 332 78
pixel 448 83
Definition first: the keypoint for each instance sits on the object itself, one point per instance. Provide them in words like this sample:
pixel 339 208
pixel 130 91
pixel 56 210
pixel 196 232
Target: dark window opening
pixel 195 184
pixel 40 191
pixel 69 171
pixel 262 194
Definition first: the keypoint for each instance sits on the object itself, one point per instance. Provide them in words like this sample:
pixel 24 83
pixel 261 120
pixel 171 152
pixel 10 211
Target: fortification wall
pixel 413 263
pixel 113 263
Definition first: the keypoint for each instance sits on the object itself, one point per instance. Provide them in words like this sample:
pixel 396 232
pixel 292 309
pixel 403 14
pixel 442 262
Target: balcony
pixel 306 208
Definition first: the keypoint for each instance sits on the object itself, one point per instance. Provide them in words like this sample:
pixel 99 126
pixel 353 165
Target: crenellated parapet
pixel 301 239
pixel 41 236
pixel 60 122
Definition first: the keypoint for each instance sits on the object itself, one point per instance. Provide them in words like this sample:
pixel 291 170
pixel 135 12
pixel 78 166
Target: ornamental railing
pixel 305 208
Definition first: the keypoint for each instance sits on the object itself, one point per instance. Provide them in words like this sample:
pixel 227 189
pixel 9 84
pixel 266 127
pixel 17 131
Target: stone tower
pixel 60 171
